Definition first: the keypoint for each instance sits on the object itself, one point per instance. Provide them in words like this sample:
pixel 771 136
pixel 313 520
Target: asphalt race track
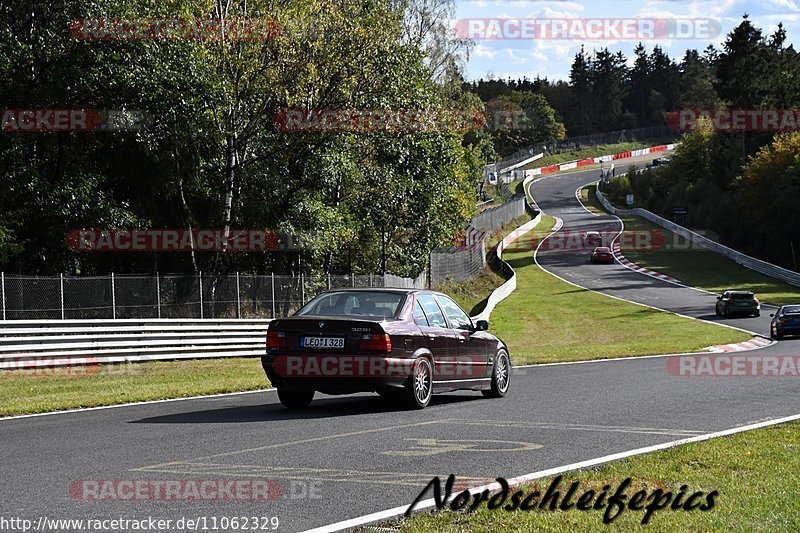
pixel 348 456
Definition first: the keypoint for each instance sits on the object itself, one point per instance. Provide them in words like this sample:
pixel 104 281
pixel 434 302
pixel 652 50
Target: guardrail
pixel 503 291
pixel 26 344
pixel 768 269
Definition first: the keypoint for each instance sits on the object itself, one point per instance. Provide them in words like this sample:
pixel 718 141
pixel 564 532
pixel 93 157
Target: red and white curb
pixel 617 253
pixel 753 344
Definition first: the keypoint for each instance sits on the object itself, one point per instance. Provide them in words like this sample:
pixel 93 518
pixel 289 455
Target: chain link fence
pixel 458 264
pixel 173 295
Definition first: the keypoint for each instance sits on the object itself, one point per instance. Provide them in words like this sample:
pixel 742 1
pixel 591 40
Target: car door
pixel 472 346
pixel 441 340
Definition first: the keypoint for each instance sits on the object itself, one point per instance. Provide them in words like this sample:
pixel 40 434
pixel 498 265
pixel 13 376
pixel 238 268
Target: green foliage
pixel 213 156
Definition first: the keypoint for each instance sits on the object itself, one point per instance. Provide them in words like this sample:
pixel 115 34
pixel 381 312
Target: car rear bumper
pixel 337 374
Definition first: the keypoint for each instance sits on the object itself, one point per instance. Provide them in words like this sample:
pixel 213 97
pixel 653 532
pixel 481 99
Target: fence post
pixel 61 282
pixel 273 295
pixel 238 298
pixel 158 294
pixel 370 280
pixel 329 280
pixel 113 298
pixel 3 288
pixel 200 278
pixel 302 288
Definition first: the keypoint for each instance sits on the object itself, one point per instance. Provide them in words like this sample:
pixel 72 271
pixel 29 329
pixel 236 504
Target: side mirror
pixel 481 325
pixel 773 314
pixel 719 297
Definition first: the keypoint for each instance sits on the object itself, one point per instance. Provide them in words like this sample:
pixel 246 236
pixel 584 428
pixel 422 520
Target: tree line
pixel 604 94
pixel 212 155
pixel 742 185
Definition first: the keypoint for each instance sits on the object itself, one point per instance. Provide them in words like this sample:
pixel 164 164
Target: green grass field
pixel 756 474
pixel 38 391
pixel 695 266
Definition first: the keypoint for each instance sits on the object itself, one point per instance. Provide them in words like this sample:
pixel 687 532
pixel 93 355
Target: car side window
pixel 458 318
pixel 432 311
pixel 419 315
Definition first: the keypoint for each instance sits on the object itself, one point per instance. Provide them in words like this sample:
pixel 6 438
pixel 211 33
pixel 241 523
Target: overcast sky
pixel 517 56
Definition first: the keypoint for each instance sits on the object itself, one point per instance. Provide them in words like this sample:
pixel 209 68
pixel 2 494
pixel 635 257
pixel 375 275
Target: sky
pixel 688 23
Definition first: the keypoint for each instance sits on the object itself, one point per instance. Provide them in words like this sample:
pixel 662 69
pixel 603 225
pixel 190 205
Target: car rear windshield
pixel 742 296
pixel 602 250
pixel 791 310
pixel 374 304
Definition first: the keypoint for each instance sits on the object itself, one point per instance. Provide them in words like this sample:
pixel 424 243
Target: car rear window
pixel 791 310
pixel 374 304
pixel 739 296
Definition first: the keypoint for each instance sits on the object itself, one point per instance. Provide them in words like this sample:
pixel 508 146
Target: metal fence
pixel 458 264
pixel 499 216
pixel 172 295
pixel 576 143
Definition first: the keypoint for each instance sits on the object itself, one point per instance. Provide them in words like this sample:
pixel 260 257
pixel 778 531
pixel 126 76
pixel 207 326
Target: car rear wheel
pixel 420 386
pixel 295 398
pixel 501 376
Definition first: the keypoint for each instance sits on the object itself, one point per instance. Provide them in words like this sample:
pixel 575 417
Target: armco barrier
pixel 504 290
pixel 599 159
pixel 27 344
pixel 768 269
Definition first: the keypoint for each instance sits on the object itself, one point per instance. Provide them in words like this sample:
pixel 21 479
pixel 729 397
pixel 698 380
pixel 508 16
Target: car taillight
pixel 375 342
pixel 756 301
pixel 275 339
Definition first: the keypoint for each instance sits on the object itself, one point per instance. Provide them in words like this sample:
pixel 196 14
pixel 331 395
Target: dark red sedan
pixel 404 344
pixel 602 254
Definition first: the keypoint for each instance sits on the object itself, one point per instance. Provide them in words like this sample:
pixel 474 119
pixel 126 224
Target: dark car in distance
pixel 602 254
pixel 404 344
pixel 786 321
pixel 732 303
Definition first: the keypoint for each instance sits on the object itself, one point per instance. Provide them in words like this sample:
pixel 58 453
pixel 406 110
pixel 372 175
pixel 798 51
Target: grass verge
pixel 755 473
pixel 693 265
pixel 41 390
pixel 594 151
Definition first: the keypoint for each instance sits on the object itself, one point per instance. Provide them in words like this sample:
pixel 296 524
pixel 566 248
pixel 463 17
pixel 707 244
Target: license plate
pixel 322 342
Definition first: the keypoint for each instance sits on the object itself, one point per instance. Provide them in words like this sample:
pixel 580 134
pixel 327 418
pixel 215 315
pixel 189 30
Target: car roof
pixel 740 292
pixel 372 289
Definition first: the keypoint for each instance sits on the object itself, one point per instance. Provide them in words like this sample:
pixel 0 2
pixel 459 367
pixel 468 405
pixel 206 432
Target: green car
pixel 738 303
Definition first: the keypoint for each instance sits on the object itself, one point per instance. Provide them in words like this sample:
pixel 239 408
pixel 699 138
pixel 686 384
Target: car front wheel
pixel 295 398
pixel 501 376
